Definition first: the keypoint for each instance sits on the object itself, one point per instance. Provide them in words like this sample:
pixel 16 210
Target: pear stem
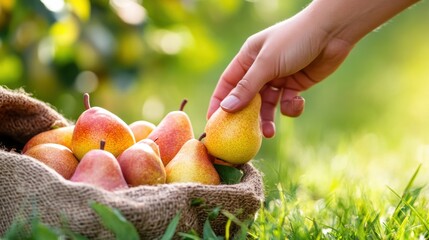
pixel 202 136
pixel 86 101
pixel 182 106
pixel 102 144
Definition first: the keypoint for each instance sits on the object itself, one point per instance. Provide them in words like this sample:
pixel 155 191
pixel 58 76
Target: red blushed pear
pixel 152 144
pixel 171 133
pixel 55 156
pixel 100 168
pixel 141 164
pixel 96 124
pixel 141 129
pixel 192 164
pixel 62 136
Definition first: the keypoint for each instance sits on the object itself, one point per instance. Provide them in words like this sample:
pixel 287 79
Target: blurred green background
pixel 139 59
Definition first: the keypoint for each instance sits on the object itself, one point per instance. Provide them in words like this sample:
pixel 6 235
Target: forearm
pixel 351 20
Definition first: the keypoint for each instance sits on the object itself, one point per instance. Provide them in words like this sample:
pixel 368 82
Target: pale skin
pixel 291 56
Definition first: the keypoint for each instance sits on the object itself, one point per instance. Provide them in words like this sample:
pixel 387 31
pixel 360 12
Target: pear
pixel 96 124
pixel 171 133
pixel 55 156
pixel 100 168
pixel 235 137
pixel 141 129
pixel 192 164
pixel 62 136
pixel 152 144
pixel 218 161
pixel 141 164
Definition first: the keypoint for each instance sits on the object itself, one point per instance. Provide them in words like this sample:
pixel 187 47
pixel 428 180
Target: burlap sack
pixel 27 185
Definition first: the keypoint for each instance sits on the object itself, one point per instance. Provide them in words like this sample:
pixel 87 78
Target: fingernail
pixel 298 103
pixel 230 102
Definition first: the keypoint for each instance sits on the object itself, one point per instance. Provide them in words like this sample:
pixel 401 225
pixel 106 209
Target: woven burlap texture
pixel 22 116
pixel 27 185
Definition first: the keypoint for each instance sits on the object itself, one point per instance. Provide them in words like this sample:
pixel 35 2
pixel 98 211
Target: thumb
pixel 247 88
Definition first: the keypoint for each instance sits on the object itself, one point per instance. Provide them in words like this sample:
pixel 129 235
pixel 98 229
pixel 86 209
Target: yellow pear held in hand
pixel 235 137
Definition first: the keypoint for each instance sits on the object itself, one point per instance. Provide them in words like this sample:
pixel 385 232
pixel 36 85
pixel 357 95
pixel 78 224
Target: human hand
pixel 279 62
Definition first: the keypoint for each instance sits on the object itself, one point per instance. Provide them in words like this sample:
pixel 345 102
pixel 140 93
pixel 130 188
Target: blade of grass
pixel 44 232
pixel 406 191
pixel 112 219
pixel 283 213
pixel 227 229
pixel 16 230
pixel 189 236
pixel 208 232
pixel 411 182
pixel 243 226
pixel 171 228
pixel 424 222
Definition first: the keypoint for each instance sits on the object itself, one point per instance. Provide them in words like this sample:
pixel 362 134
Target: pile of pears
pixel 100 149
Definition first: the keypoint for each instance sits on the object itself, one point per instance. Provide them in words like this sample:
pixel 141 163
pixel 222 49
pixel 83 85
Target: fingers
pixel 243 78
pixel 252 82
pixel 232 75
pixel 221 91
pixel 291 104
pixel 270 98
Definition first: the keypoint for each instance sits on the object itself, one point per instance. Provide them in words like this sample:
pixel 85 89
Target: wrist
pixel 351 20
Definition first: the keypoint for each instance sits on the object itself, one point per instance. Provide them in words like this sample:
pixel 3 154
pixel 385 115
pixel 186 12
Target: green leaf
pixel 208 233
pixel 16 230
pixel 196 202
pixel 229 175
pixel 189 236
pixel 214 213
pixel 44 232
pixel 171 228
pixel 76 236
pixel 112 219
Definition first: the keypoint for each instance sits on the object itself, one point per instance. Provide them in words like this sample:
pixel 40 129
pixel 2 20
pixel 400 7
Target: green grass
pixel 362 186
pixel 350 212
